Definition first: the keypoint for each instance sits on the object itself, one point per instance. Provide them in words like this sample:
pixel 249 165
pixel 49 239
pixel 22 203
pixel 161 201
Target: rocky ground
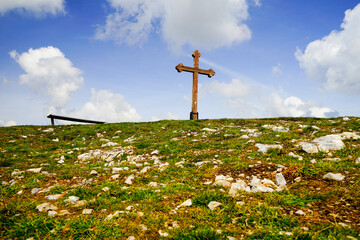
pixel 210 179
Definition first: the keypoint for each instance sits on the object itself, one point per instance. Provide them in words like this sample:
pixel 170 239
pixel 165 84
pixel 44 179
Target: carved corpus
pixel 196 71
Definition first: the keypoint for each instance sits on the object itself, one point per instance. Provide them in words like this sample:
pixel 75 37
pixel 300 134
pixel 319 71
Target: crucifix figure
pixel 195 70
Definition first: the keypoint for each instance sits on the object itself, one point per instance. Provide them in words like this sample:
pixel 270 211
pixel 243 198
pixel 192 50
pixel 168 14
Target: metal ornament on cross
pixel 196 71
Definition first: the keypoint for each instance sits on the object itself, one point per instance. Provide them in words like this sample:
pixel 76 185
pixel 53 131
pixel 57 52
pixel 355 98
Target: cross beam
pixel 196 71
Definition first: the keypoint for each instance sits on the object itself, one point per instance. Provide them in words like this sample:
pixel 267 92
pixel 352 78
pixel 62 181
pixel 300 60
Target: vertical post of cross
pixel 195 70
pixel 194 115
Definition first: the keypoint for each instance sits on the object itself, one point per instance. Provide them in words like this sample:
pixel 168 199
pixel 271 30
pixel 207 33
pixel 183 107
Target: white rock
pixel 129 179
pixel 309 147
pixel 52 197
pixel 109 144
pixel 221 182
pixel 240 185
pixel 87 211
pixel 334 176
pixel 346 119
pixel 255 182
pixel 34 170
pixel 163 167
pixel 187 203
pixel 280 180
pixel 93 172
pixel 357 161
pixel 115 176
pixel 16 173
pixel 52 213
pixel 280 129
pixel 268 183
pixel 300 212
pixel 328 143
pixel 48 130
pixel 163 234
pixel 105 189
pixel 35 190
pixel 72 199
pixel 145 169
pixel 208 130
pixel 313 161
pixel 131 238
pixel 265 147
pixel 117 169
pixel 155 152
pixel 213 204
pixel 44 207
pixel 152 184
pixel 129 208
pixel 55 140
pixel 244 136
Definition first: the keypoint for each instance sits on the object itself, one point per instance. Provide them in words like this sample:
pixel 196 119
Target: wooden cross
pixel 195 70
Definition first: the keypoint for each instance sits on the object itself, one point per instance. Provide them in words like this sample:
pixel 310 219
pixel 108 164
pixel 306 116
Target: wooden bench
pixel 52 117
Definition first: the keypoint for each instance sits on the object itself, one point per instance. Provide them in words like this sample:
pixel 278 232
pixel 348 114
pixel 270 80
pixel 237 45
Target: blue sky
pixel 114 60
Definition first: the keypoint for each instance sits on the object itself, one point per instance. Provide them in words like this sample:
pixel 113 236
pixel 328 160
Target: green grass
pixel 328 204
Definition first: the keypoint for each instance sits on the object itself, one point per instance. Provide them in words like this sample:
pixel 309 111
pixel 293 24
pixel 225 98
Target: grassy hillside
pixel 155 180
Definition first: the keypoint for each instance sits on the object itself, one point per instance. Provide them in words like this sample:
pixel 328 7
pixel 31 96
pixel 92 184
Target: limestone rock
pixel 221 180
pixel 280 180
pixel 328 143
pixel 52 213
pixel 87 211
pixel 187 203
pixel 357 161
pixel 213 204
pixel 34 170
pixel 240 185
pixel 93 172
pixel 129 179
pixel 44 207
pixel 300 212
pixel 265 147
pixel 52 197
pixel 334 176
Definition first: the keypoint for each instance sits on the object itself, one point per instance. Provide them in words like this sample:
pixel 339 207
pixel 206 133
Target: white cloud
pixel 7 123
pixel 132 21
pixel 168 116
pixel 293 106
pixel 107 106
pixel 247 99
pixel 335 59
pixel 38 7
pixel 49 72
pixel 203 23
pixel 235 89
pixel 276 70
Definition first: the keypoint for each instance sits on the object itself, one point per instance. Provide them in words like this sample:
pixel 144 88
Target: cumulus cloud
pixel 49 72
pixel 38 7
pixel 107 106
pixel 335 59
pixel 295 107
pixel 168 116
pixel 248 99
pixel 7 123
pixel 203 23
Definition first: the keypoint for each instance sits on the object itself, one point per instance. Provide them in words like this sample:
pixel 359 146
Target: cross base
pixel 194 116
